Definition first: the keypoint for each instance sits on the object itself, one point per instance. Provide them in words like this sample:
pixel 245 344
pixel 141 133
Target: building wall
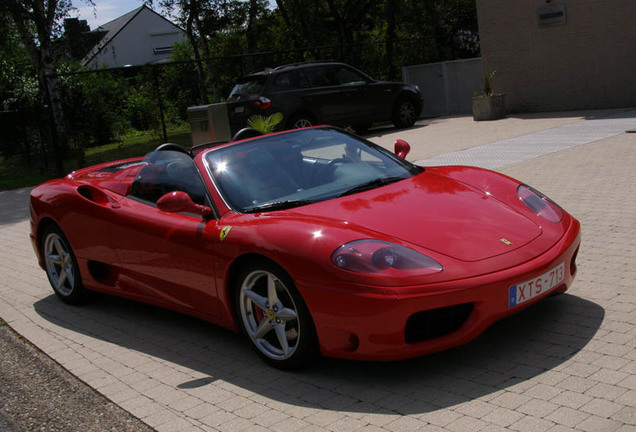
pixel 136 43
pixel 586 63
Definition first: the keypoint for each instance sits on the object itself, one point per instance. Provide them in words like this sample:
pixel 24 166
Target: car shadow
pixel 509 353
pixel 14 206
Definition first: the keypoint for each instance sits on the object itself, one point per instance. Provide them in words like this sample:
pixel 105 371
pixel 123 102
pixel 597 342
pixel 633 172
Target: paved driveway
pixel 567 363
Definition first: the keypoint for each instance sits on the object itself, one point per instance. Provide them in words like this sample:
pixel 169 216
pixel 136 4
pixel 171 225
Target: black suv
pixel 323 93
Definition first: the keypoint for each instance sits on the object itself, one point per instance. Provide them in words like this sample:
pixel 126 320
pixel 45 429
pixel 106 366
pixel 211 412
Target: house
pixel 141 36
pixel 560 54
pixel 78 39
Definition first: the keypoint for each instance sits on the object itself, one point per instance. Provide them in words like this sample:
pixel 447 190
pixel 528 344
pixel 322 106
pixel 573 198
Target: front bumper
pixel 369 323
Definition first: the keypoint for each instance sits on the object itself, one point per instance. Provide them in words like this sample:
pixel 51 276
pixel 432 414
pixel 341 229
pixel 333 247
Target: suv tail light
pixel 262 103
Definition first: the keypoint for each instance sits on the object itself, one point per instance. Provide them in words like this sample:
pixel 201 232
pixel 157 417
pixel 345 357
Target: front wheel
pixel 404 113
pixel 274 316
pixel 61 266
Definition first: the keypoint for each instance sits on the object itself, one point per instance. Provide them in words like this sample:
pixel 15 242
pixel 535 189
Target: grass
pixel 15 173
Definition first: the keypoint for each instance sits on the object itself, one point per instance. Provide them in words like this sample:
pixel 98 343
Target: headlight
pixel 373 256
pixel 540 204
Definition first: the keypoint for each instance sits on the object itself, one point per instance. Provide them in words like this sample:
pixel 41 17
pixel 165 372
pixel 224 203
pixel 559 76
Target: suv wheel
pixel 404 113
pixel 298 121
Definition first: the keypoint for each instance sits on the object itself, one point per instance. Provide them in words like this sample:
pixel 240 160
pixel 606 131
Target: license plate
pixel 239 109
pixel 524 291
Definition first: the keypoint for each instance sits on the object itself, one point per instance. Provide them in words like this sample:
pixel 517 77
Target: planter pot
pixel 489 107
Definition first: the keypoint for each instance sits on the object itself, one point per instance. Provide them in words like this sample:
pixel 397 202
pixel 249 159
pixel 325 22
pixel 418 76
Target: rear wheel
pixel 274 316
pixel 404 113
pixel 298 121
pixel 61 266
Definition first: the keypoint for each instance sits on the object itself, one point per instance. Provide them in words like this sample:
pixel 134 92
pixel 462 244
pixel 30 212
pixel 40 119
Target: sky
pixel 107 10
pixel 103 11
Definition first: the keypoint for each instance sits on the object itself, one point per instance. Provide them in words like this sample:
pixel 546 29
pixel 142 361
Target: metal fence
pixel 447 87
pixel 28 134
pixel 102 105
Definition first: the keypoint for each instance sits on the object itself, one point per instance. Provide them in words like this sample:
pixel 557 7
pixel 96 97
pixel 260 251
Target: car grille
pixel 434 323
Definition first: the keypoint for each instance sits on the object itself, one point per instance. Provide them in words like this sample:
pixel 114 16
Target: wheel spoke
pixel 272 296
pixel 282 337
pixel 61 279
pixel 258 300
pixel 264 327
pixel 286 314
pixel 54 259
pixel 61 251
pixel 68 271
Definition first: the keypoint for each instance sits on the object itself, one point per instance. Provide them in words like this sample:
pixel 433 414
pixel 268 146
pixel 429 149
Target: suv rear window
pixel 248 86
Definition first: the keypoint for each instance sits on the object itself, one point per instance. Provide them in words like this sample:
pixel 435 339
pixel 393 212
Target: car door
pixel 354 92
pixel 366 98
pixel 320 93
pixel 170 255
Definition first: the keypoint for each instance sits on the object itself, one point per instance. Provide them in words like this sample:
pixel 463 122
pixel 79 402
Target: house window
pixel 162 50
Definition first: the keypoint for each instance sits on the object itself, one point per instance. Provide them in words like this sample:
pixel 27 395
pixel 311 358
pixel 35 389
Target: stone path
pixel 568 363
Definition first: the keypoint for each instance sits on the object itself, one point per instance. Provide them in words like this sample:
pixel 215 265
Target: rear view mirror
pixel 401 148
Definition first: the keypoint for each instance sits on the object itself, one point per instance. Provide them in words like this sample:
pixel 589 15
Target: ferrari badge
pixel 224 232
pixel 505 241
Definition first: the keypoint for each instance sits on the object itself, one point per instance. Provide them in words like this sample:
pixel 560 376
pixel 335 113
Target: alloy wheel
pixel 60 266
pixel 269 315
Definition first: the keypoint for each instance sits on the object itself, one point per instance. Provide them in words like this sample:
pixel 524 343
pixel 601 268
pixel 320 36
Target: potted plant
pixel 265 125
pixel 489 105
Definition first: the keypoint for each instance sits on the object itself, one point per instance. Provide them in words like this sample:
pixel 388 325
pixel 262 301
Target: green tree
pixel 18 83
pixel 350 16
pixel 36 22
pixel 194 16
pixel 180 87
pixel 94 106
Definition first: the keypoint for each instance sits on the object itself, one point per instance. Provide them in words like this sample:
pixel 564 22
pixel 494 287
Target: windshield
pixel 301 167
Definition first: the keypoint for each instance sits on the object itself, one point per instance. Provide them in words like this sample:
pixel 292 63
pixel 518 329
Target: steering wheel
pixel 328 169
pixel 172 147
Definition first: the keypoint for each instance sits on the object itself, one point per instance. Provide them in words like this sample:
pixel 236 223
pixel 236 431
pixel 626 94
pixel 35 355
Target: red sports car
pixel 309 241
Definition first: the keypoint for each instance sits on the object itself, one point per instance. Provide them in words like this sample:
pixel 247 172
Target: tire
pixel 404 113
pixel 298 121
pixel 274 316
pixel 61 266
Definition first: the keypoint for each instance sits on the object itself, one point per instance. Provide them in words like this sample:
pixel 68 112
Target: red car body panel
pixel 182 262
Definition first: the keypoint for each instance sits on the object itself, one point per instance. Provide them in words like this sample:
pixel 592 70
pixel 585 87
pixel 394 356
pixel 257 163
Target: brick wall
pixel 589 62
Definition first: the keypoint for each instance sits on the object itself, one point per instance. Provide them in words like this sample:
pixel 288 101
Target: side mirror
pixel 178 201
pixel 401 148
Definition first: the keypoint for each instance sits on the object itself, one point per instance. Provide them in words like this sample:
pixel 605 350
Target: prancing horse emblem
pixel 224 232
pixel 505 241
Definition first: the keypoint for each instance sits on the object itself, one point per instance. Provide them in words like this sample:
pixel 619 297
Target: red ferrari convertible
pixel 308 241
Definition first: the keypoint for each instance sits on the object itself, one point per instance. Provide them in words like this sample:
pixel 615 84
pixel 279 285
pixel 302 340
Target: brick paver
pixel 568 363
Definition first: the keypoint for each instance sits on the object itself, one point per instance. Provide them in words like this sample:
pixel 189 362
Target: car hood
pixel 436 213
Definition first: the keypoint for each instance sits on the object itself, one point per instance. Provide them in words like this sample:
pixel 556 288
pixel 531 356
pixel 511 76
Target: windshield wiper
pixel 279 205
pixel 371 185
